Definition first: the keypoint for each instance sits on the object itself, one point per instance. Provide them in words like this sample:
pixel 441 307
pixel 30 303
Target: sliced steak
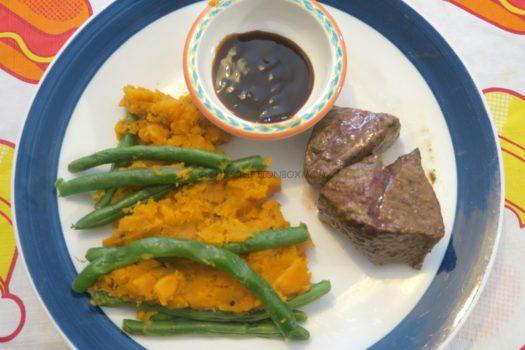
pixel 346 136
pixel 391 214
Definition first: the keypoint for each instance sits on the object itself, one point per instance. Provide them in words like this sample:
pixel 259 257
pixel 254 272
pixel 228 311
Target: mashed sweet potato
pixel 230 210
pixel 181 283
pixel 164 120
pixel 227 210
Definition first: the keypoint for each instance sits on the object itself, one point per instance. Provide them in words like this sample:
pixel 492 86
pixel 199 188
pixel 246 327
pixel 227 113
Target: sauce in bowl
pixel 262 77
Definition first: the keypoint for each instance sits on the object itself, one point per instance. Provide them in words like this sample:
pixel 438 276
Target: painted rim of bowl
pixel 224 118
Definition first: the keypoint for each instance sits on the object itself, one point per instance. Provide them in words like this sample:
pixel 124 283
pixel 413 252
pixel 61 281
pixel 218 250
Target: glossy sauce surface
pixel 262 77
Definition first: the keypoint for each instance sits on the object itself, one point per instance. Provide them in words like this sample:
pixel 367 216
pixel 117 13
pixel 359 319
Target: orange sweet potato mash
pixel 227 210
pixel 164 120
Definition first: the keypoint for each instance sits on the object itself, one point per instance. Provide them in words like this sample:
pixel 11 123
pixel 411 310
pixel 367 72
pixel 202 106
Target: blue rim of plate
pixel 479 203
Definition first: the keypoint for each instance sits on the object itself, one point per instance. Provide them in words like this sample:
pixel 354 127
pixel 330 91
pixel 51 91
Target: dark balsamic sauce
pixel 262 77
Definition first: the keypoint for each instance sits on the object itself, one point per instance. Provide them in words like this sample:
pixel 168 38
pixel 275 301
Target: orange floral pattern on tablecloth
pixel 505 14
pixel 32 32
pixel 508 112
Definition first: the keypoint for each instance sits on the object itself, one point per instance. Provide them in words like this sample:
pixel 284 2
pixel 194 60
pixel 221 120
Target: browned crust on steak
pixel 345 136
pixel 391 214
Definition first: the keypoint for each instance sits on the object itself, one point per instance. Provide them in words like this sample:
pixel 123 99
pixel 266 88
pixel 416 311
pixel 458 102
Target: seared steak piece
pixel 391 214
pixel 346 136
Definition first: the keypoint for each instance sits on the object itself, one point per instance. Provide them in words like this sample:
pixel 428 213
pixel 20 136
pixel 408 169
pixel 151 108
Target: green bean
pixel 215 316
pixel 177 327
pixel 99 298
pixel 161 317
pixel 176 175
pixel 105 200
pixel 270 239
pixel 315 292
pixel 102 216
pixel 246 165
pixel 126 140
pixel 260 241
pixel 210 255
pixel 103 299
pixel 166 153
pixel 96 252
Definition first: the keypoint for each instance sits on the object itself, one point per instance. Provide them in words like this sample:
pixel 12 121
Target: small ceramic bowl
pixel 305 22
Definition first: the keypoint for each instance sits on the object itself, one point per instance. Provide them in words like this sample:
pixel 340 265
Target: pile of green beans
pixel 171 174
pixel 168 321
pixel 277 319
pixel 206 254
pixel 112 212
pixel 153 183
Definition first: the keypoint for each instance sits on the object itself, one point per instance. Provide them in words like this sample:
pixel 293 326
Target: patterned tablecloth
pixel 489 35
